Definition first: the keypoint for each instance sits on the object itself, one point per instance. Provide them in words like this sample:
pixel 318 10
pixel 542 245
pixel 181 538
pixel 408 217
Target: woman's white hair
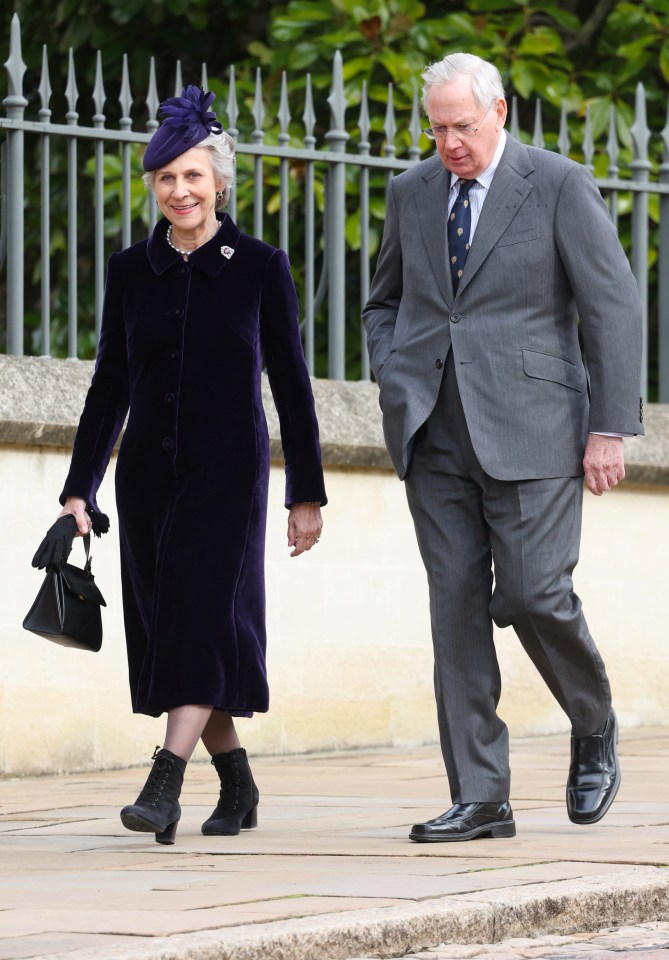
pixel 221 149
pixel 485 77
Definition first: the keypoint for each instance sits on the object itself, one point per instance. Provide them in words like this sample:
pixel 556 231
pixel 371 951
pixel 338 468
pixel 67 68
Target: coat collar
pixel 207 258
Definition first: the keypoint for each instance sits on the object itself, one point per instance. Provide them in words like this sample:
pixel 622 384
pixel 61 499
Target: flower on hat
pixel 190 112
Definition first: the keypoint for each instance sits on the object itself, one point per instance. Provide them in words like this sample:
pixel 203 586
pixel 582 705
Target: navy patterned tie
pixel 459 229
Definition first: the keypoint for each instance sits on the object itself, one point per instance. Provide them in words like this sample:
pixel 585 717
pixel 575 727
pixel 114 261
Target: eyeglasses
pixel 460 131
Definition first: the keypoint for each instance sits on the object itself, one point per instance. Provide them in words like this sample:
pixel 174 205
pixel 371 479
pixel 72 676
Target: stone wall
pixel 349 651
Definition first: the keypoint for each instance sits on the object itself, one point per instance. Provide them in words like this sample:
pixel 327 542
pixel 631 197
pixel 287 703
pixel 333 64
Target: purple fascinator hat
pixel 187 121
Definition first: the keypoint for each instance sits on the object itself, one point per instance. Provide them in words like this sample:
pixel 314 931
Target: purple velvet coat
pixel 182 348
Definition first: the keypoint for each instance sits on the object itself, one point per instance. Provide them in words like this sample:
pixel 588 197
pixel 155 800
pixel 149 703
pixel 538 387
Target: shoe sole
pixel 612 796
pixel 503 829
pixel 139 824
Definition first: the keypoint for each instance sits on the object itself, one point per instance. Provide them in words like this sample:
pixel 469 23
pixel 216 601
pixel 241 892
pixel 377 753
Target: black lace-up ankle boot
pixel 237 807
pixel 157 809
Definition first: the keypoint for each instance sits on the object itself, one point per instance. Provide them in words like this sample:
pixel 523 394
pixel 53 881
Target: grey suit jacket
pixel 544 253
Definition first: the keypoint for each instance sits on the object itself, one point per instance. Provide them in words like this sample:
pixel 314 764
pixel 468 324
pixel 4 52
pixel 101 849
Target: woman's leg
pixel 219 734
pixel 185 726
pixel 238 800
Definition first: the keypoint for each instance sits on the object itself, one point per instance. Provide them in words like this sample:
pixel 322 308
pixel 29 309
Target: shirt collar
pixel 209 257
pixel 485 179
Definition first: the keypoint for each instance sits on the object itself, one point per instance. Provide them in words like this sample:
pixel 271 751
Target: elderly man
pixel 491 253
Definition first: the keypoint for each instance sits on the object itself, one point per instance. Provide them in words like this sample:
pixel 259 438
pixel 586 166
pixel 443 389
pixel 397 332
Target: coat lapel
pixel 508 191
pixel 431 200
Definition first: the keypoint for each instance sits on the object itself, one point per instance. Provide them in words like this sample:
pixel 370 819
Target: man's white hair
pixel 486 80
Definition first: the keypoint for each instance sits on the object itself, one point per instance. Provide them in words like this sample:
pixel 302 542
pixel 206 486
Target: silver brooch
pixel 227 252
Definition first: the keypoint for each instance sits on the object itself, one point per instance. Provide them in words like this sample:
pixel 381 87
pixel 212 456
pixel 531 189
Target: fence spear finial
pixel 258 107
pixel 232 109
pixel 45 90
pixel 337 98
pixel 125 96
pixel 538 136
pixel 563 141
pixel 15 67
pixel 152 101
pixel 99 95
pixel 414 127
pixel 309 115
pixel 364 124
pixel 71 91
pixel 284 112
pixel 639 129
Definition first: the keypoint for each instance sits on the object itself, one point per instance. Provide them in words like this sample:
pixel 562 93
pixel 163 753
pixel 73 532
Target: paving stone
pixel 330 873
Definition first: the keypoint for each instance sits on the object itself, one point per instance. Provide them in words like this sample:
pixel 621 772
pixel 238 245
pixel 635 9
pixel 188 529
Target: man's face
pixel 462 151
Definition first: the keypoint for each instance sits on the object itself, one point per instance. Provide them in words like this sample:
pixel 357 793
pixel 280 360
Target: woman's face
pixel 185 190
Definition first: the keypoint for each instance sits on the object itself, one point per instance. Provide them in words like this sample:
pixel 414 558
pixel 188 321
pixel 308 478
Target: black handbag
pixel 67 607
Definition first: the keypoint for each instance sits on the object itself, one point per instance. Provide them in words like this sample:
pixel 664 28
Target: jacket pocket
pixel 519 236
pixel 544 366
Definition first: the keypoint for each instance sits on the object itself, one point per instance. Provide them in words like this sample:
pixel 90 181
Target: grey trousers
pixel 530 530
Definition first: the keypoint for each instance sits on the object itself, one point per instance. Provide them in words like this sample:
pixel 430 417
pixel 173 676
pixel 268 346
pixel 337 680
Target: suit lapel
pixel 507 193
pixel 431 200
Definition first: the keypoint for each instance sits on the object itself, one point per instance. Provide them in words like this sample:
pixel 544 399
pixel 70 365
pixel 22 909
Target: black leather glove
pixel 57 544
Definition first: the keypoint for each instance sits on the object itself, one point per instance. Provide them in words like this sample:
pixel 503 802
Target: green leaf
pixel 522 78
pixel 664 60
pixel 599 115
pixel 353 235
pixel 540 42
pixel 635 48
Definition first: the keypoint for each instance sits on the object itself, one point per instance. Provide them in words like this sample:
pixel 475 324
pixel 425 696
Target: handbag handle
pixel 87 547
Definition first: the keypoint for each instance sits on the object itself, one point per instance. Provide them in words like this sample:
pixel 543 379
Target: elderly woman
pixel 190 316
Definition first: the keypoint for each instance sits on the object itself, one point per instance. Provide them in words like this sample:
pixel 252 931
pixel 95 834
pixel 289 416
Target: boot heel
pixel 168 834
pixel 250 820
pixel 507 829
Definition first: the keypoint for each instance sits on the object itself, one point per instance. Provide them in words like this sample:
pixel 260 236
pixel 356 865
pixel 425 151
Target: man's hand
pixel 603 463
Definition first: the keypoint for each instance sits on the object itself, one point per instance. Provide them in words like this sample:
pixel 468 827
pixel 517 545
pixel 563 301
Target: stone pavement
pixel 330 874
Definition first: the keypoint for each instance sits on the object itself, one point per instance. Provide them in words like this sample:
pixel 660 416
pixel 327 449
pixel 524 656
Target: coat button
pixel 168 398
pixel 178 312
pixel 168 444
pixel 455 318
pixel 173 354
pixel 439 364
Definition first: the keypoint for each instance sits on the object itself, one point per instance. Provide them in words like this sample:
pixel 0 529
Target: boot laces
pixel 155 784
pixel 229 796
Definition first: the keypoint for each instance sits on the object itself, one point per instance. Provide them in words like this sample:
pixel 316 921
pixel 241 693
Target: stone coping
pixel 41 401
pixel 564 907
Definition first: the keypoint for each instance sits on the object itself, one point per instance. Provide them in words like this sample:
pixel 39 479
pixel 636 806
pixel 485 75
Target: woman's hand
pixel 57 544
pixel 304 527
pixel 76 507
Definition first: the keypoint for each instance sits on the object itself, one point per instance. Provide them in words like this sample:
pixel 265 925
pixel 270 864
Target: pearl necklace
pixel 187 253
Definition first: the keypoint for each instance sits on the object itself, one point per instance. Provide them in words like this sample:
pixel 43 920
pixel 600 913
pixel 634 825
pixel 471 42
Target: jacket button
pixel 455 318
pixel 439 364
pixel 173 354
pixel 168 398
pixel 168 444
pixel 178 312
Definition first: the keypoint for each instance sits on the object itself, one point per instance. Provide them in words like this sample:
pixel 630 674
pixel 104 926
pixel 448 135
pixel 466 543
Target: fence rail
pixel 318 212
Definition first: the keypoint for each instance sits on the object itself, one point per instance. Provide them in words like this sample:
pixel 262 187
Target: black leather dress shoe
pixel 594 774
pixel 464 821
